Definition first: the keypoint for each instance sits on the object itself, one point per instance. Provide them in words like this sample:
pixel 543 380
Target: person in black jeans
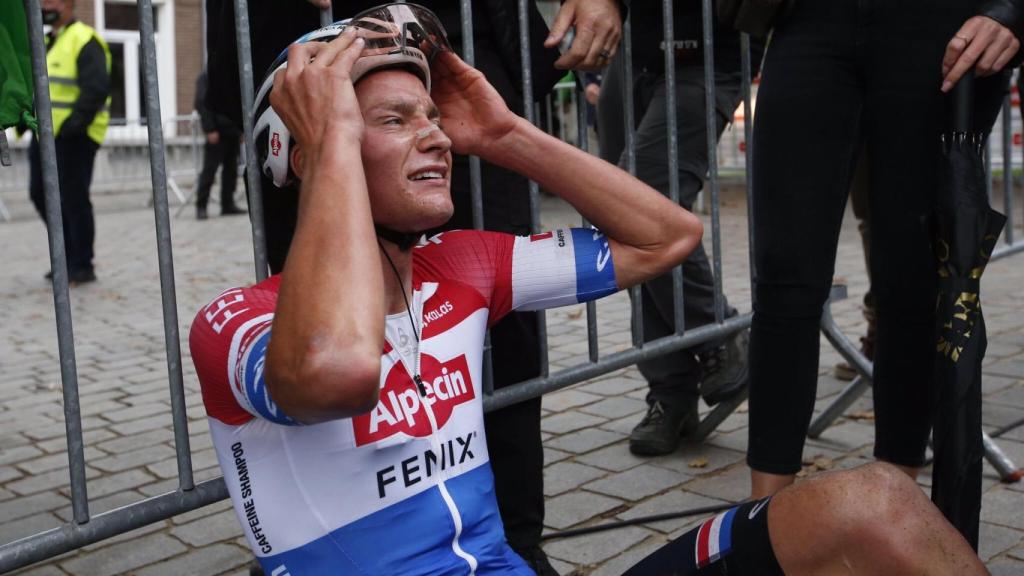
pixel 220 149
pixel 717 369
pixel 513 433
pixel 838 76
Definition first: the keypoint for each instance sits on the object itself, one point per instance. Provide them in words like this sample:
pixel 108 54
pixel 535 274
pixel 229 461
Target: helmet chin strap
pixel 404 240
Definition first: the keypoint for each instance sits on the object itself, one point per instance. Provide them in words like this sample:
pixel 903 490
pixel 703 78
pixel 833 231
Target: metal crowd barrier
pixel 86 528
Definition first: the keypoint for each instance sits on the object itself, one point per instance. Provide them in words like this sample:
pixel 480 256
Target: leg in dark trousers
pixel 75 158
pixel 229 170
pixel 213 156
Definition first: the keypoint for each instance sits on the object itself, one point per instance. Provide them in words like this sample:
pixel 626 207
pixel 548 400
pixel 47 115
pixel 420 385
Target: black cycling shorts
pixel 735 542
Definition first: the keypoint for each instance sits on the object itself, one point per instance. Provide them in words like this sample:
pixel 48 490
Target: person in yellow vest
pixel 78 63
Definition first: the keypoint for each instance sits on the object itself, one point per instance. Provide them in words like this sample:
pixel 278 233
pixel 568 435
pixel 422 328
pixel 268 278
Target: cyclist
pixel 344 395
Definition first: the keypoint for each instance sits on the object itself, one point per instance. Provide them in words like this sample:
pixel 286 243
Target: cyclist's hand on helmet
pixel 981 43
pixel 473 114
pixel 598 26
pixel 314 94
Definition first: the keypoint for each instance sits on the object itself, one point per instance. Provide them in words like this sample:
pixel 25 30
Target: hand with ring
pixel 598 26
pixel 982 44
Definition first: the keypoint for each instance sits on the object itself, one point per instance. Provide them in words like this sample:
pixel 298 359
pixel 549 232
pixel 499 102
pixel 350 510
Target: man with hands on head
pixel 344 394
pixel 339 457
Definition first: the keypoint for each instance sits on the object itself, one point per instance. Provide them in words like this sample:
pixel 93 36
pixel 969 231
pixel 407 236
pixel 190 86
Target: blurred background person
pixel 220 150
pixel 717 369
pixel 78 64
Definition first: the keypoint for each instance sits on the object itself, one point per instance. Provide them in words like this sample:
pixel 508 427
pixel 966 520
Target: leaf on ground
pixel 862 415
pixel 699 462
pixel 742 408
pixel 823 463
pixel 574 314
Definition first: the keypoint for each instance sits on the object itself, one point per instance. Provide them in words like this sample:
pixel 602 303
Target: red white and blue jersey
pixel 407 487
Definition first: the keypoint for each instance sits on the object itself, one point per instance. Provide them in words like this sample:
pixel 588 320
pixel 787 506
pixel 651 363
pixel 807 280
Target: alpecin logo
pixel 400 409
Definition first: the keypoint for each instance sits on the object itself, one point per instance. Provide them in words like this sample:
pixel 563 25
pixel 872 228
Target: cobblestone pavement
pixel 590 476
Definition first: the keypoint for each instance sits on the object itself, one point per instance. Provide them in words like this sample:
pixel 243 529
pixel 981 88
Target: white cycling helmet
pixel 397 36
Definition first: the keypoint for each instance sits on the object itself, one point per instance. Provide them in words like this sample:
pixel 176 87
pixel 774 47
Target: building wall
pixel 188 15
pixel 85 11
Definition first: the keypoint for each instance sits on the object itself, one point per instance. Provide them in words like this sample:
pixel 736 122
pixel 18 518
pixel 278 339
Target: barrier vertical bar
pixel 1008 170
pixel 158 173
pixel 326 15
pixel 591 306
pixel 748 139
pixel 58 265
pixel 712 127
pixel 635 298
pixel 252 170
pixel 672 137
pixel 476 196
pixel 524 53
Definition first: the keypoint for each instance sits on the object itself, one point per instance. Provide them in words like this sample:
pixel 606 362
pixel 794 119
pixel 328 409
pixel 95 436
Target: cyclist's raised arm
pixel 323 361
pixel 648 234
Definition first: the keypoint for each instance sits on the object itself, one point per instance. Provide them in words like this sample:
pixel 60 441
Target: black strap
pixel 404 240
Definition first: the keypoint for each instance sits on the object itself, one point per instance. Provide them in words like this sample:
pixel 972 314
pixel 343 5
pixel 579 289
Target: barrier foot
pixel 721 411
pixel 846 398
pixel 1008 471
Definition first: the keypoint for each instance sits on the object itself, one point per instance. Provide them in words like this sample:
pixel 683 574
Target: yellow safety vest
pixel 62 67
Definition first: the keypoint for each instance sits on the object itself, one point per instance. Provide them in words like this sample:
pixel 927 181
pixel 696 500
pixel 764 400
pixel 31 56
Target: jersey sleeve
pixel 556 268
pixel 228 341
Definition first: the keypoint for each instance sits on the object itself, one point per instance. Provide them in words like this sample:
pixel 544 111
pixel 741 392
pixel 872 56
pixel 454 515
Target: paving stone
pixel 1013 368
pixel 551 456
pixel 616 386
pixel 136 412
pixel 698 460
pixel 29 505
pixel 127 480
pixel 615 458
pixel 219 527
pixel 846 435
pixel 134 458
pixel 636 483
pixel 622 425
pixel 677 500
pixel 1005 568
pixel 1002 507
pixel 572 508
pixel 612 408
pixel 560 423
pixel 993 540
pixel 89 438
pixel 19 454
pixel 141 425
pixel 135 441
pixel 597 547
pixel 733 485
pixel 193 515
pixel 126 556
pixel 584 440
pixel 626 559
pixel 566 476
pixel 8 473
pixel 565 399
pixel 210 560
pixel 40 571
pixel 27 526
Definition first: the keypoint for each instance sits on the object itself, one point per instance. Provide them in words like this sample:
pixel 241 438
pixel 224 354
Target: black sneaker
pixel 662 427
pixel 201 213
pixel 726 371
pixel 231 210
pixel 537 560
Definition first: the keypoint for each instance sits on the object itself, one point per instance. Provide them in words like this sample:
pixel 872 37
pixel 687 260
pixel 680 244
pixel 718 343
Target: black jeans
pixel 839 75
pixel 223 153
pixel 75 158
pixel 672 378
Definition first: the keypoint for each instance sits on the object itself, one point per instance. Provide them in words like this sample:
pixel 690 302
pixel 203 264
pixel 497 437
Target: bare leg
pixel 763 484
pixel 872 520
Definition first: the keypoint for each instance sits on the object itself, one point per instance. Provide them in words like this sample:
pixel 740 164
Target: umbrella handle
pixel 963 104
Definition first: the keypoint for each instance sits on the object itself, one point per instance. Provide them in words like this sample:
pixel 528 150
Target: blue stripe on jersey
pixel 595 273
pixel 256 387
pixel 725 533
pixel 412 537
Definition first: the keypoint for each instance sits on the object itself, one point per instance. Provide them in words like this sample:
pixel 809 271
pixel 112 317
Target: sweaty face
pixel 406 156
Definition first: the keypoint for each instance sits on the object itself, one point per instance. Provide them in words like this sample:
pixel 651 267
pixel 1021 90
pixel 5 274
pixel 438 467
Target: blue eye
pixel 393 121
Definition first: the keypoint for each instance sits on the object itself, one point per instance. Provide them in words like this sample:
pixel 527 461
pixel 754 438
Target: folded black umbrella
pixel 966 229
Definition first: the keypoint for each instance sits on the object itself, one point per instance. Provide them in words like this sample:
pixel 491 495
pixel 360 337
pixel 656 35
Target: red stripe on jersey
pixel 452 303
pixel 541 236
pixel 703 543
pixel 210 340
pixel 480 260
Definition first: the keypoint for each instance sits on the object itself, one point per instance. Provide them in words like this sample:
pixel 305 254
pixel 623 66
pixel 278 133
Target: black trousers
pixel 75 158
pixel 672 378
pixel 223 153
pixel 513 433
pixel 839 75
